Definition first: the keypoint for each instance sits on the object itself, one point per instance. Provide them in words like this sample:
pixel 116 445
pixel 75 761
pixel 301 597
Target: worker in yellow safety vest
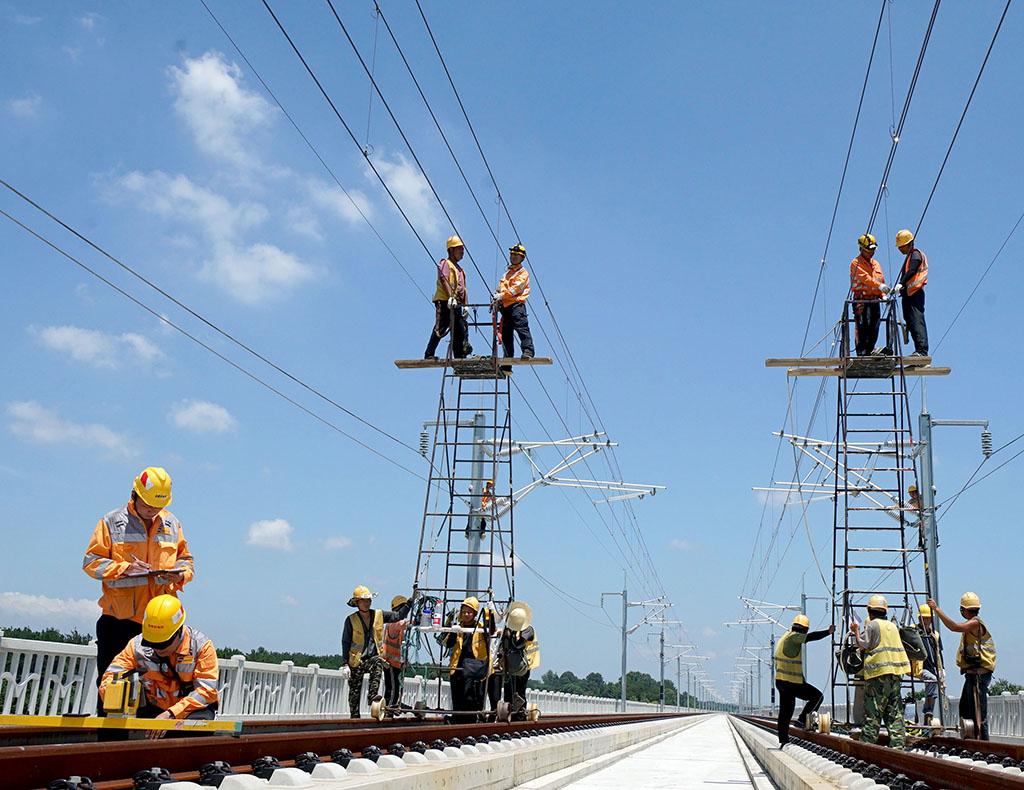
pixel 929 670
pixel 910 287
pixel 394 636
pixel 976 657
pixel 885 662
pixel 469 661
pixel 450 299
pixel 789 674
pixel 361 643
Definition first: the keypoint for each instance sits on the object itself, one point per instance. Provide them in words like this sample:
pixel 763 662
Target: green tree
pixel 1001 684
pixel 47 635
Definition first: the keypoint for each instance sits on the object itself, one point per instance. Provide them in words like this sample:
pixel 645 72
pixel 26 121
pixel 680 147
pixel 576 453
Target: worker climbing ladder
pixel 877 545
pixel 467 536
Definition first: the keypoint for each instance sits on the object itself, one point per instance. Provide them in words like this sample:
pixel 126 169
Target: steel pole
pixel 625 614
pixel 661 696
pixel 927 514
pixel 476 513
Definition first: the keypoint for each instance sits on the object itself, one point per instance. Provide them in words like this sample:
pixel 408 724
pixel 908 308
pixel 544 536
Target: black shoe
pixel 919 354
pixel 431 357
pixel 527 355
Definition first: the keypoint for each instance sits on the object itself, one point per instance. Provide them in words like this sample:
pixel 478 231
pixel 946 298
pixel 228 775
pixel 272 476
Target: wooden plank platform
pixel 469 363
pixel 815 362
pixel 868 373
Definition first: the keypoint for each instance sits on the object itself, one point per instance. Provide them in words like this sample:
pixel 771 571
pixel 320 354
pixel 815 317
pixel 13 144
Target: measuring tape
pixel 107 723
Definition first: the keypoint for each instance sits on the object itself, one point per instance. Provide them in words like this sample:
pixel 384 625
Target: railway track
pixel 932 764
pixel 112 765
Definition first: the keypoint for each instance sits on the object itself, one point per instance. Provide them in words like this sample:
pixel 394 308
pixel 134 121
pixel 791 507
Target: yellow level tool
pixel 112 723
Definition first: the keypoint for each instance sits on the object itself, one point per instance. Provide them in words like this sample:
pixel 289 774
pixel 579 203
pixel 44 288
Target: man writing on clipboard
pixel 137 552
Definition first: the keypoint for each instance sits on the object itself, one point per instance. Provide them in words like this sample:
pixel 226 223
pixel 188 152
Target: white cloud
pixel 708 632
pixel 300 219
pixel 256 273
pixel 334 200
pixel 25 19
pixel 178 197
pixel 271 534
pixel 102 349
pixel 411 190
pixel 201 416
pixel 680 544
pixel 337 542
pixel 31 421
pixel 289 600
pixel 28 106
pixel 218 109
pixel 40 611
pixel 72 52
pixel 88 21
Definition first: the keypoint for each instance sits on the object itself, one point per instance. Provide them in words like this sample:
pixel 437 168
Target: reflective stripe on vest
pixel 984 647
pixel 355 653
pixel 394 633
pixel 919 280
pixel 788 669
pixel 888 657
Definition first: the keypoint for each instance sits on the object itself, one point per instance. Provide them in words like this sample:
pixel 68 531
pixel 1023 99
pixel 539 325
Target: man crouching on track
pixel 885 661
pixel 362 643
pixel 470 661
pixel 177 665
pixel 789 674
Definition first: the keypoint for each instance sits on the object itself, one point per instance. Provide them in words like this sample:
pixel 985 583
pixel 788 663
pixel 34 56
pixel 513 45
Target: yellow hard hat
pixel 924 610
pixel 397 601
pixel 360 592
pixel 912 489
pixel 163 618
pixel 867 242
pixel 970 600
pixel 518 248
pixel 878 602
pixel 153 486
pixel 454 241
pixel 472 603
pixel 802 619
pixel 903 237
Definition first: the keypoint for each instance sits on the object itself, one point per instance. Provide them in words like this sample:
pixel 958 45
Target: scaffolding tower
pixel 878 542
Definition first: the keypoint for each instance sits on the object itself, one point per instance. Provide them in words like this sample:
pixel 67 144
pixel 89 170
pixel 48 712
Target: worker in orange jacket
pixel 910 286
pixel 391 650
pixel 510 299
pixel 867 284
pixel 177 665
pixel 137 552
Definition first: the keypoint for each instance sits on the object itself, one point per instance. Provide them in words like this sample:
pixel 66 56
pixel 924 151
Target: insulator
pixel 424 443
pixel 986 443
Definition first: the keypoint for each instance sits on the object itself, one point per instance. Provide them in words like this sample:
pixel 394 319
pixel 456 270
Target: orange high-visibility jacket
pixel 121 535
pixel 866 278
pixel 920 278
pixel 514 286
pixel 451 281
pixel 182 683
pixel 391 648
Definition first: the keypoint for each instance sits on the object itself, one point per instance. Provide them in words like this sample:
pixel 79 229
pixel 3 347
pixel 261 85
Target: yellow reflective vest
pixel 976 654
pixel 888 657
pixel 790 669
pixel 355 653
pixel 480 650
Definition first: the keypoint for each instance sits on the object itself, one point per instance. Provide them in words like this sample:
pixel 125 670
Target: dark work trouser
pixel 913 314
pixel 514 320
pixel 865 321
pixel 392 685
pixel 443 315
pixel 508 688
pixel 788 695
pixel 373 668
pixel 967 711
pixel 467 696
pixel 112 635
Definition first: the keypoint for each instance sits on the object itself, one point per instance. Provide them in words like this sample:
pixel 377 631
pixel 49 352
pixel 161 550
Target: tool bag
pixel 913 644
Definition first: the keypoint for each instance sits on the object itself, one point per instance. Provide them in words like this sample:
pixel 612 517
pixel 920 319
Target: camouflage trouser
pixel 374 668
pixel 883 704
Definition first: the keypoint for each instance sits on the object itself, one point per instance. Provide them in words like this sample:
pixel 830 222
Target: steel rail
pixel 115 763
pixel 933 771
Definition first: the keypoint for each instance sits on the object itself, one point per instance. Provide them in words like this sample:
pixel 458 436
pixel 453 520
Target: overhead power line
pixel 247 373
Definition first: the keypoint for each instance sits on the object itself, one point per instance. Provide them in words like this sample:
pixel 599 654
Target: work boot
pixel 527 355
pixel 430 356
pixel 919 354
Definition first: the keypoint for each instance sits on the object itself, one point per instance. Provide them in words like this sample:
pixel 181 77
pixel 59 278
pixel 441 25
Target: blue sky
pixel 672 170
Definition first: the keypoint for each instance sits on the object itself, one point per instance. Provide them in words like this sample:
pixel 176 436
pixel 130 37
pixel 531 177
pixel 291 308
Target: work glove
pixel 885 288
pixel 346 671
pixel 453 302
pixel 896 290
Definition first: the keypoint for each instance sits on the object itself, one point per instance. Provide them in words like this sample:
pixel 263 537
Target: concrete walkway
pixel 704 755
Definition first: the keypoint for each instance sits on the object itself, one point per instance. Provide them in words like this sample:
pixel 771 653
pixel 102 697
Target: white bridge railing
pixel 52 678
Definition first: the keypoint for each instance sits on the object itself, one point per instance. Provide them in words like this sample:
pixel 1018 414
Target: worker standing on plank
pixel 885 662
pixel 394 636
pixel 470 660
pixel 789 674
pixel 177 666
pixel 510 299
pixel 517 655
pixel 361 642
pixel 450 299
pixel 976 657
pixel 867 284
pixel 138 552
pixel 930 669
pixel 910 285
